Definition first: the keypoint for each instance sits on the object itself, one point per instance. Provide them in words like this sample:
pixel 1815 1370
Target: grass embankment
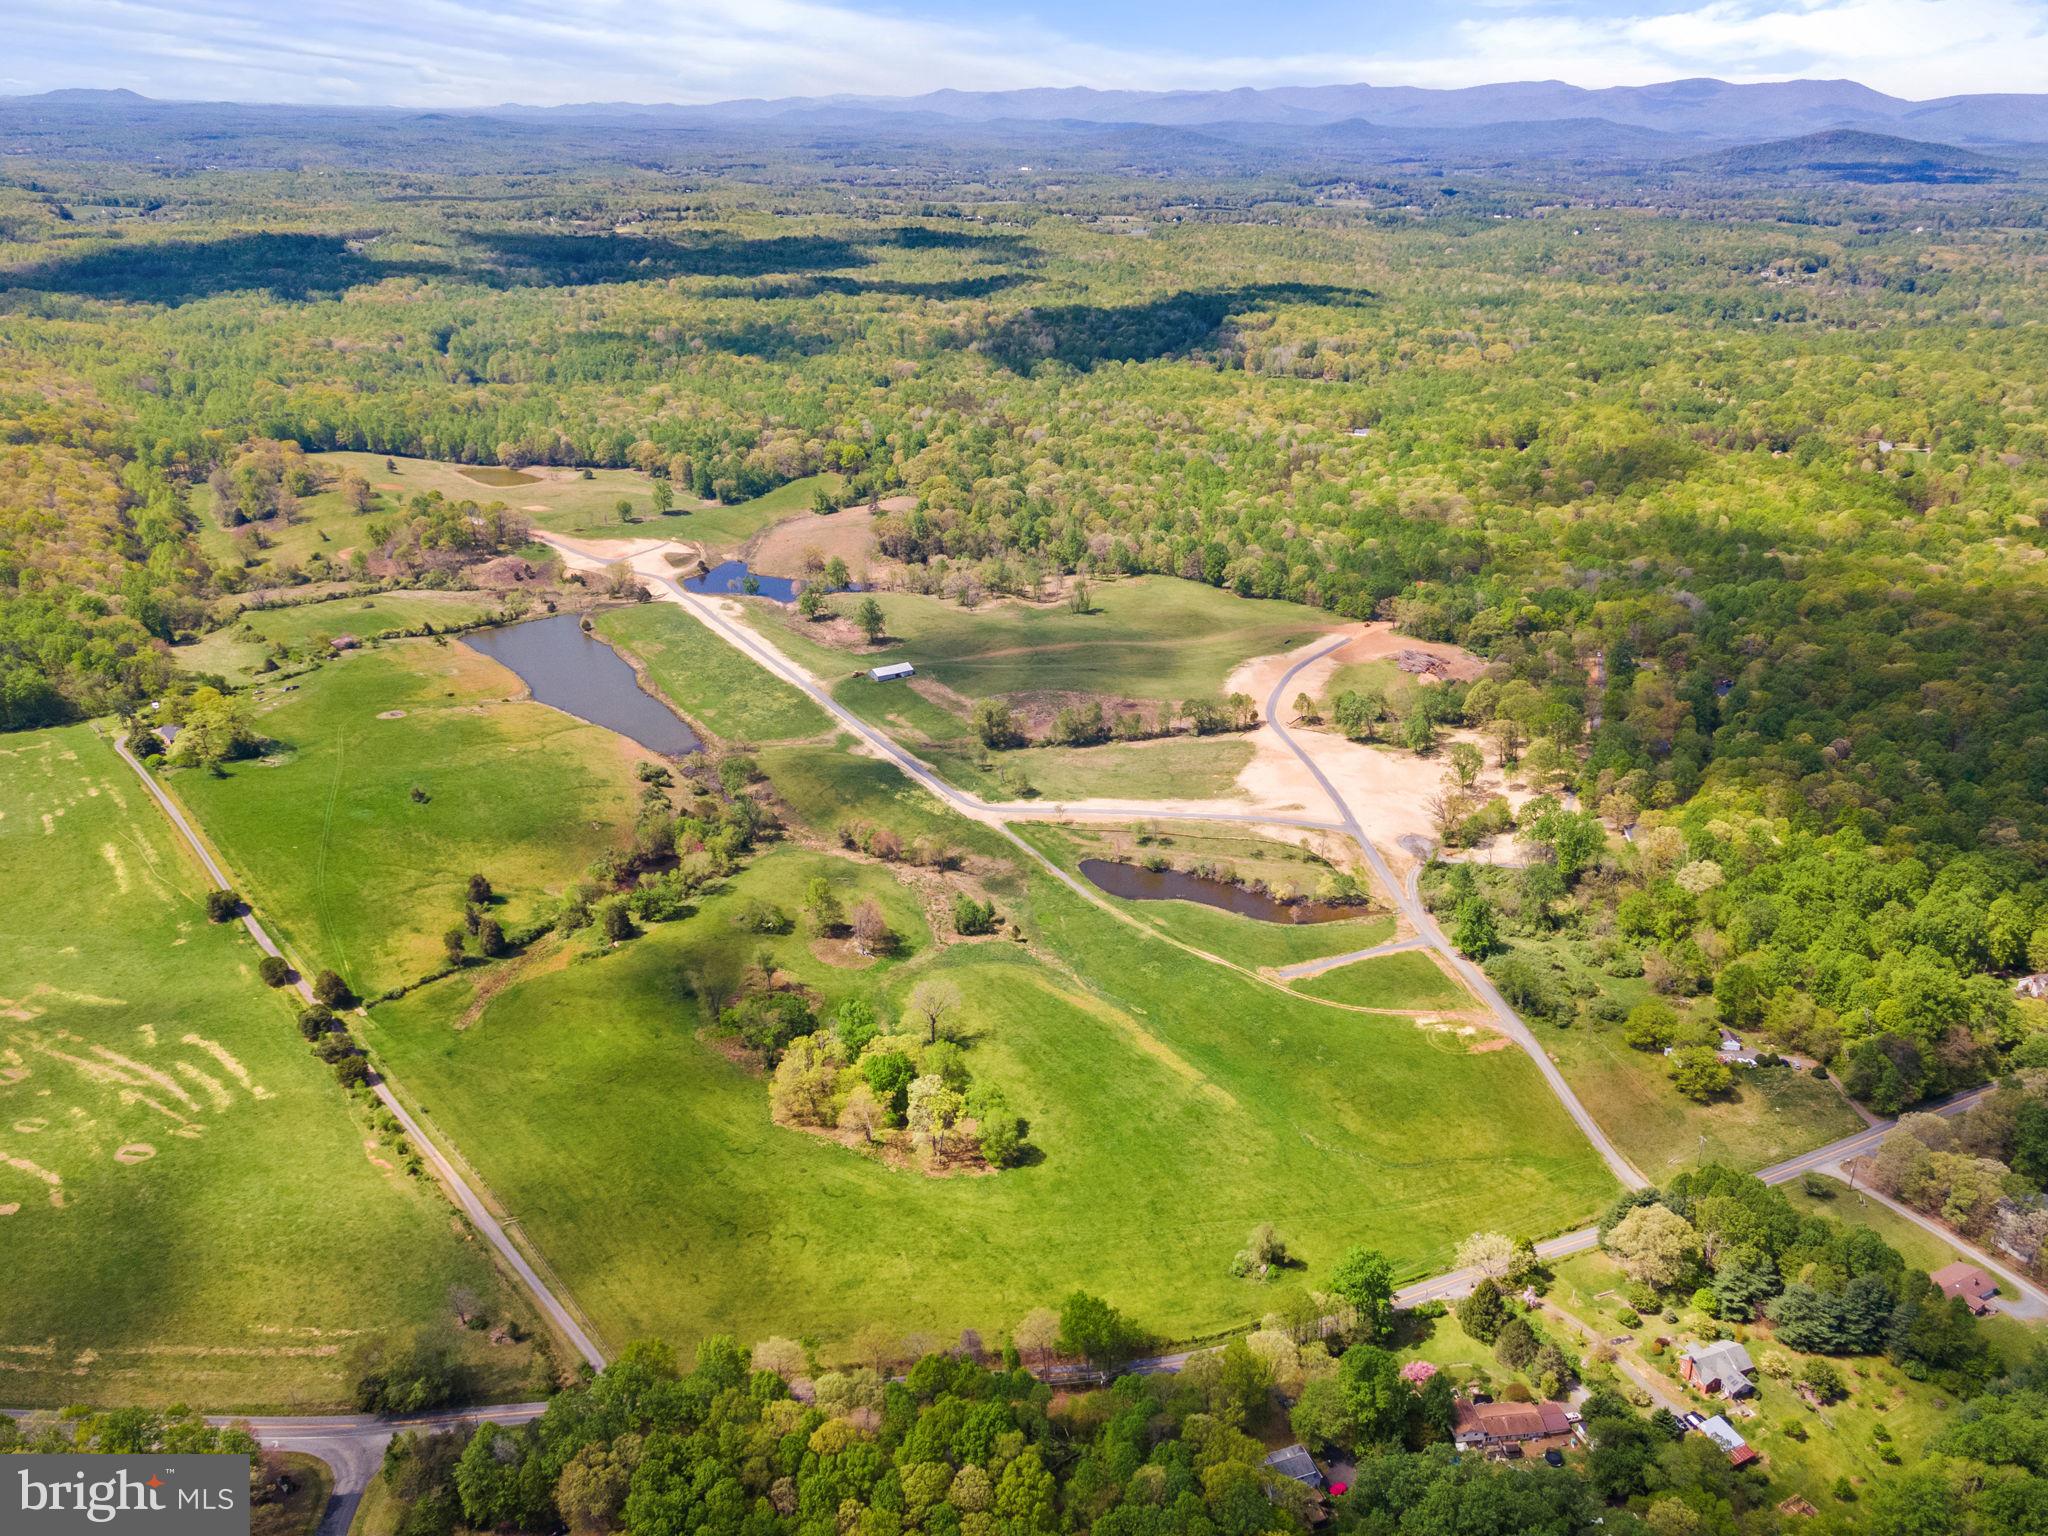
pixel 645 1165
pixel 1247 940
pixel 225 1229
pixel 357 873
pixel 708 680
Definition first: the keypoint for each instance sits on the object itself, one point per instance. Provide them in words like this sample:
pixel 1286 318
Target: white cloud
pixel 472 53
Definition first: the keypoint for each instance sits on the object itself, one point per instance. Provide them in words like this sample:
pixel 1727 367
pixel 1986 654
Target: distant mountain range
pixel 1683 131
pixel 1695 109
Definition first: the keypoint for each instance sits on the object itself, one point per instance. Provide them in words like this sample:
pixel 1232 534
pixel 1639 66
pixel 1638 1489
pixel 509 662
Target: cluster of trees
pixel 1092 723
pixel 1740 1251
pixel 879 1088
pixel 1983 1172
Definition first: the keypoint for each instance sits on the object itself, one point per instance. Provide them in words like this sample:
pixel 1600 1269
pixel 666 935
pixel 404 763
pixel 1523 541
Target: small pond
pixel 732 577
pixel 1134 882
pixel 582 676
pixel 491 474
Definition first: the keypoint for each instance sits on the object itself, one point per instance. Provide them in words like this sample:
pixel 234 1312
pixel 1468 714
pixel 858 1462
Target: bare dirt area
pixel 786 548
pixel 1387 788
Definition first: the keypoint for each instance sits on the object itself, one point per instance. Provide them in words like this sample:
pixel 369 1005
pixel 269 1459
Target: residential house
pixel 1722 1368
pixel 1508 1429
pixel 1969 1282
pixel 1294 1461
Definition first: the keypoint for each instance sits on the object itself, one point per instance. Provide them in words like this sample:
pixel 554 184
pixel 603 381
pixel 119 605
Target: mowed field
pixel 354 871
pixel 189 1211
pixel 1174 1106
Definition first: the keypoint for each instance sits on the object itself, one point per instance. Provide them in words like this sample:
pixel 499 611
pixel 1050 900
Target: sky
pixel 472 53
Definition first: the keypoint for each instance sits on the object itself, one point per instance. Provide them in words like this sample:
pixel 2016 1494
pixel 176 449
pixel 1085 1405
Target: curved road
pixel 465 1197
pixel 1506 1020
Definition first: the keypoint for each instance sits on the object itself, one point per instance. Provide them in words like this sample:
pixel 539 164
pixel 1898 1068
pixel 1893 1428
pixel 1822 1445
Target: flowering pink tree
pixel 1417 1372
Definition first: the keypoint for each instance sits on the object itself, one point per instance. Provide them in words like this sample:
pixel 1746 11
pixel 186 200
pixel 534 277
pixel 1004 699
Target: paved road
pixel 451 1179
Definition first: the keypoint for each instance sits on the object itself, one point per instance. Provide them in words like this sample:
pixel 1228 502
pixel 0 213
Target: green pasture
pixel 716 686
pixel 358 874
pixel 223 1232
pixel 1151 638
pixel 1175 1107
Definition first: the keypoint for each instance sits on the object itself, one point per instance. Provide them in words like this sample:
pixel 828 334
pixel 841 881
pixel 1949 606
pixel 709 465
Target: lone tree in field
pixel 1305 711
pixel 664 498
pixel 332 990
pixel 871 934
pixel 822 911
pixel 869 617
pixel 929 1003
pixel 480 893
pixel 222 906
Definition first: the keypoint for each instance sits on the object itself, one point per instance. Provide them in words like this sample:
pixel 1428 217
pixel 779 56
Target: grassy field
pixel 303 629
pixel 1406 980
pixel 680 1208
pixel 708 680
pixel 1147 638
pixel 1772 1114
pixel 1246 940
pixel 355 872
pixel 224 1230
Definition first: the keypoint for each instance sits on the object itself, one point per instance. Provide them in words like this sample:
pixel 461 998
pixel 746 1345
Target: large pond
pixel 582 676
pixel 1134 882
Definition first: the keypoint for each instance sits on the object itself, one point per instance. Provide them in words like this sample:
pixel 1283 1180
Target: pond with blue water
pixel 733 578
pixel 571 670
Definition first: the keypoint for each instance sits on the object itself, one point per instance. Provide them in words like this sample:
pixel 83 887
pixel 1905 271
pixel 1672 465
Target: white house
pixel 891 672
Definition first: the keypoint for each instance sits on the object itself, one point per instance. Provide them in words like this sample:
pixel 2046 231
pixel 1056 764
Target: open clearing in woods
pixel 354 871
pixel 152 1085
pixel 681 1209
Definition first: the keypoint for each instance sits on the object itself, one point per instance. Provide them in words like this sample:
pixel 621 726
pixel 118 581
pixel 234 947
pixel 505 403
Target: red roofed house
pixel 1969 1282
pixel 1516 1427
